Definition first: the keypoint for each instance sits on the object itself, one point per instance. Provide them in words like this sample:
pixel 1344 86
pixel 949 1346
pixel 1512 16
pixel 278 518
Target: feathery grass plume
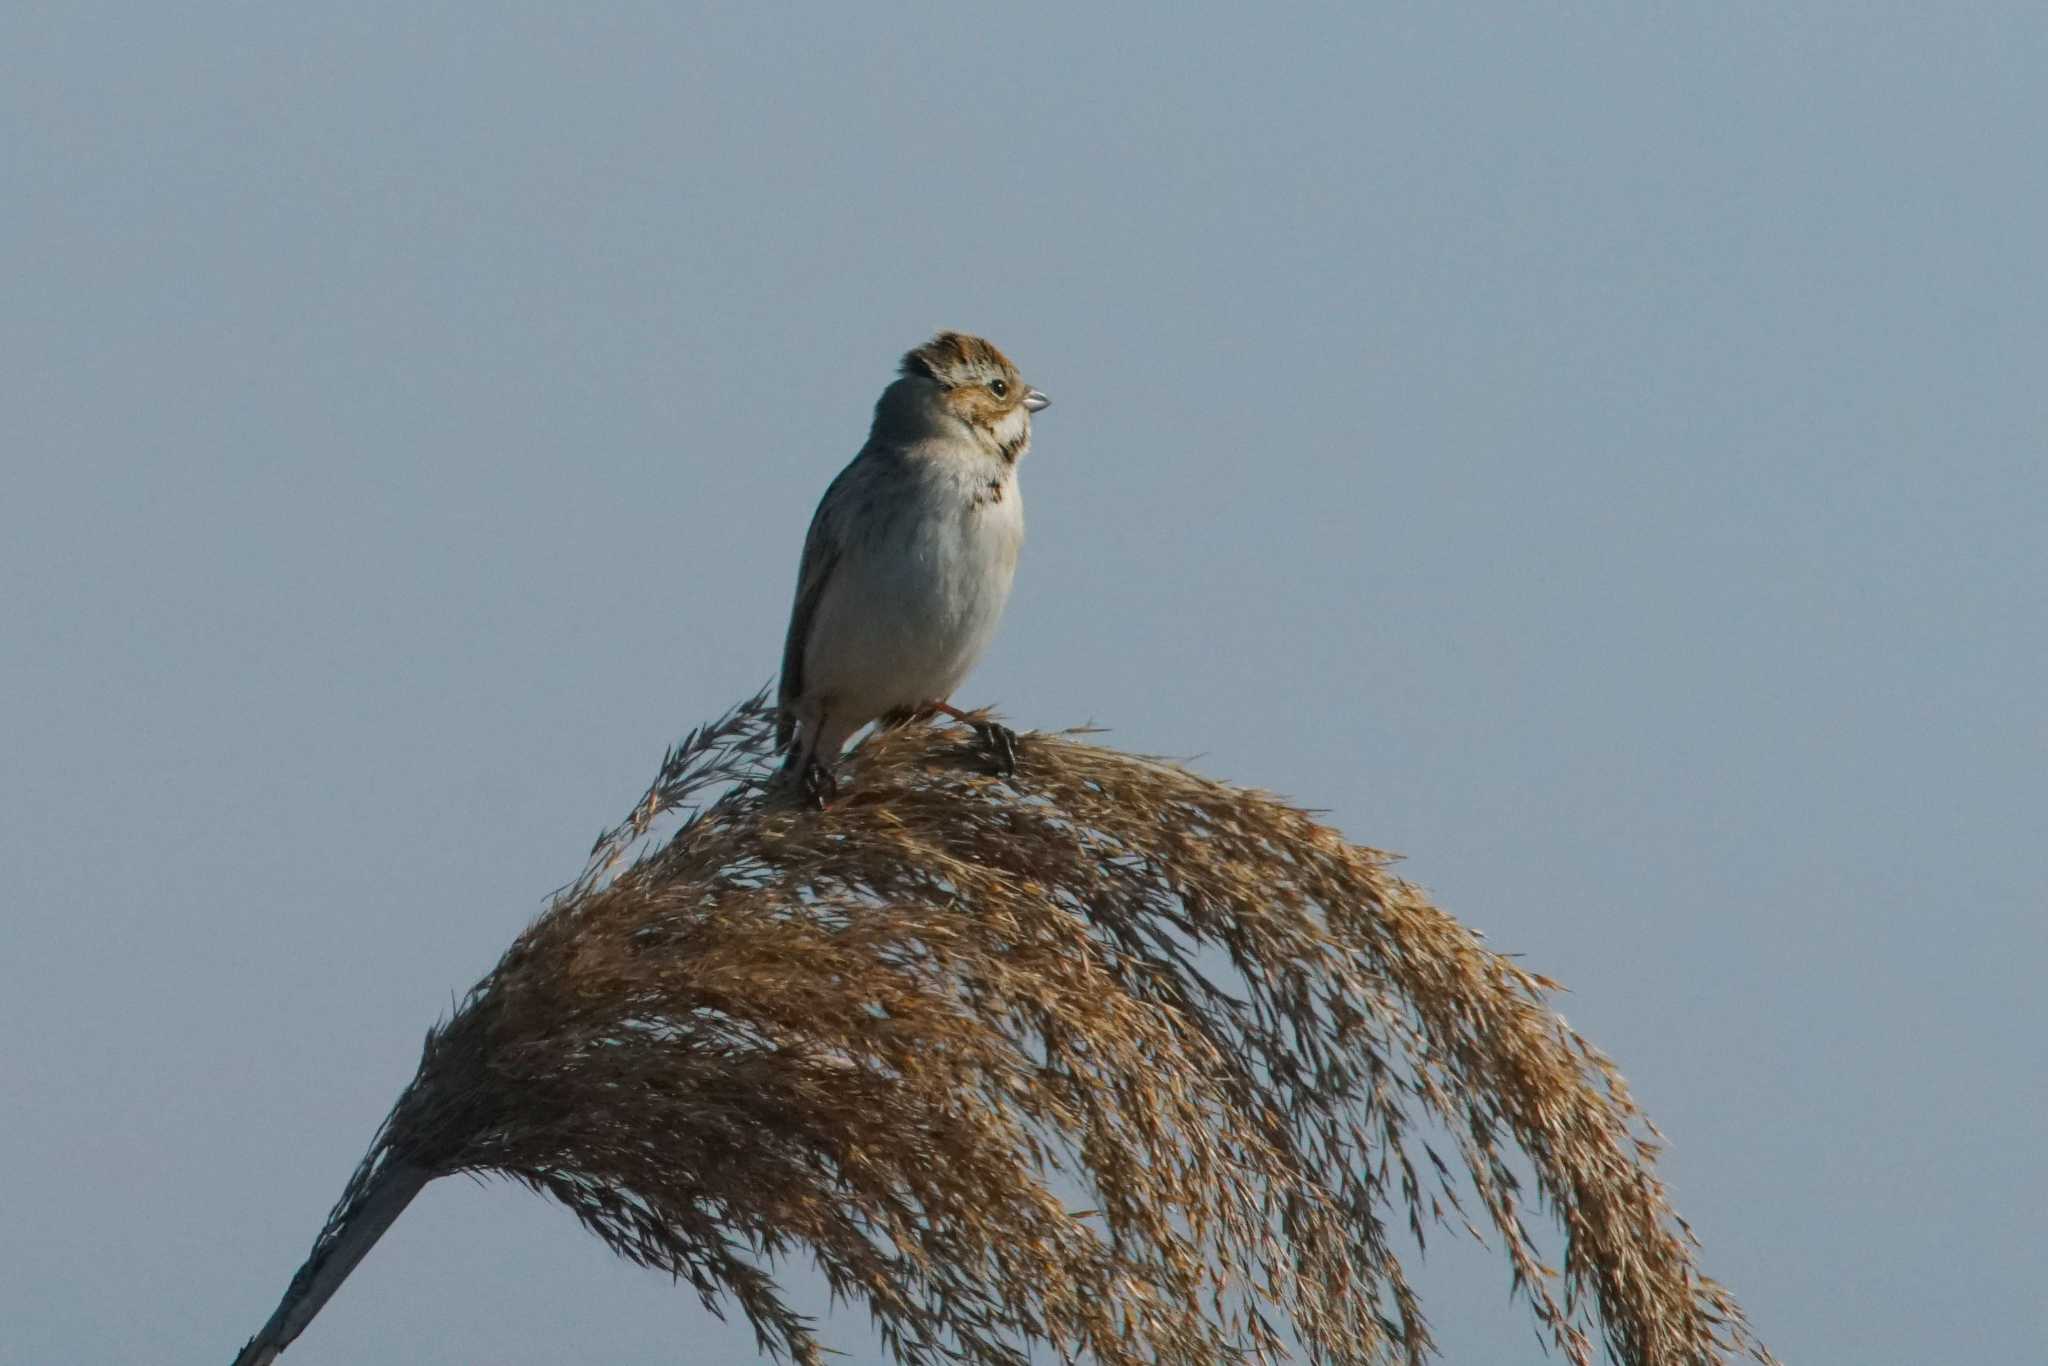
pixel 885 1034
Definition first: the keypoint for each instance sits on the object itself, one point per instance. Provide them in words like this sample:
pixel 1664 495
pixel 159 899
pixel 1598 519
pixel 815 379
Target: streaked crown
pixel 955 359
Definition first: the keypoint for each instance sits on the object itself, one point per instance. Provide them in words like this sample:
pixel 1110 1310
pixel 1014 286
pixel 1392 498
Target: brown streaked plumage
pixel 946 356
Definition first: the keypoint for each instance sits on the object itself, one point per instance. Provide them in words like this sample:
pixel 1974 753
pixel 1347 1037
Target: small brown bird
pixel 910 556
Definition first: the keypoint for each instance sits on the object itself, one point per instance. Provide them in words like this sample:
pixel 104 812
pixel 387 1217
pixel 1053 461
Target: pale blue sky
pixel 1598 453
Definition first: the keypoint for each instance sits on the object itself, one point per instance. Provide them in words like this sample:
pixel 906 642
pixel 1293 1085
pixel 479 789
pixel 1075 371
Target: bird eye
pixel 998 388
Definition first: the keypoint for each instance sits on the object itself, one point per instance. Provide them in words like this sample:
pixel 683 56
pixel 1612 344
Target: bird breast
pixel 921 588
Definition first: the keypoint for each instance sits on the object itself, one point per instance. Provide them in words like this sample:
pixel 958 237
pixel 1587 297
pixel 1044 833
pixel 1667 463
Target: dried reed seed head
pixel 888 1034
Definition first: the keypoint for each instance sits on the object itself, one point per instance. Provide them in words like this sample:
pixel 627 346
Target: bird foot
pixel 1000 743
pixel 817 785
pixel 810 783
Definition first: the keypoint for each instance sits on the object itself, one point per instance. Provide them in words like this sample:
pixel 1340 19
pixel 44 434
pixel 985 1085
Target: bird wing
pixel 822 546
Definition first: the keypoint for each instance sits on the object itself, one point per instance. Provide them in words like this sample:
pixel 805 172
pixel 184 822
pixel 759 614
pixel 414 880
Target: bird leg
pixel 998 740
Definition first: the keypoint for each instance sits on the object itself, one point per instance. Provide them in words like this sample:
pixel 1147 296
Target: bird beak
pixel 1033 400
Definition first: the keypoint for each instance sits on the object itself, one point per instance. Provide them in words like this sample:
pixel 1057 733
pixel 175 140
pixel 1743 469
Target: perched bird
pixel 909 558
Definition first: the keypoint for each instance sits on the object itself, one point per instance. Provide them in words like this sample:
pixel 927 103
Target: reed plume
pixel 890 1034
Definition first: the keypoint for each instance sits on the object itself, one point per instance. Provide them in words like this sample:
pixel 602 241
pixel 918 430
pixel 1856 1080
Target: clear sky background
pixel 1597 453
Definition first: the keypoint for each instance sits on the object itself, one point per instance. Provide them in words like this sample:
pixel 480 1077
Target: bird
pixel 909 559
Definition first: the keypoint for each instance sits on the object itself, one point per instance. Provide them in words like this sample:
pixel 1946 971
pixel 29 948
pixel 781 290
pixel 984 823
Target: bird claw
pixel 1000 742
pixel 815 785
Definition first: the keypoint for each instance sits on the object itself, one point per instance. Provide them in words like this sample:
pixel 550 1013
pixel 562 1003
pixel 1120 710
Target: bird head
pixel 969 381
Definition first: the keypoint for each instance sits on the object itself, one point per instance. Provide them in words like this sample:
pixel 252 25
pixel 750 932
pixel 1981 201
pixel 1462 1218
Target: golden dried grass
pixel 883 1035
